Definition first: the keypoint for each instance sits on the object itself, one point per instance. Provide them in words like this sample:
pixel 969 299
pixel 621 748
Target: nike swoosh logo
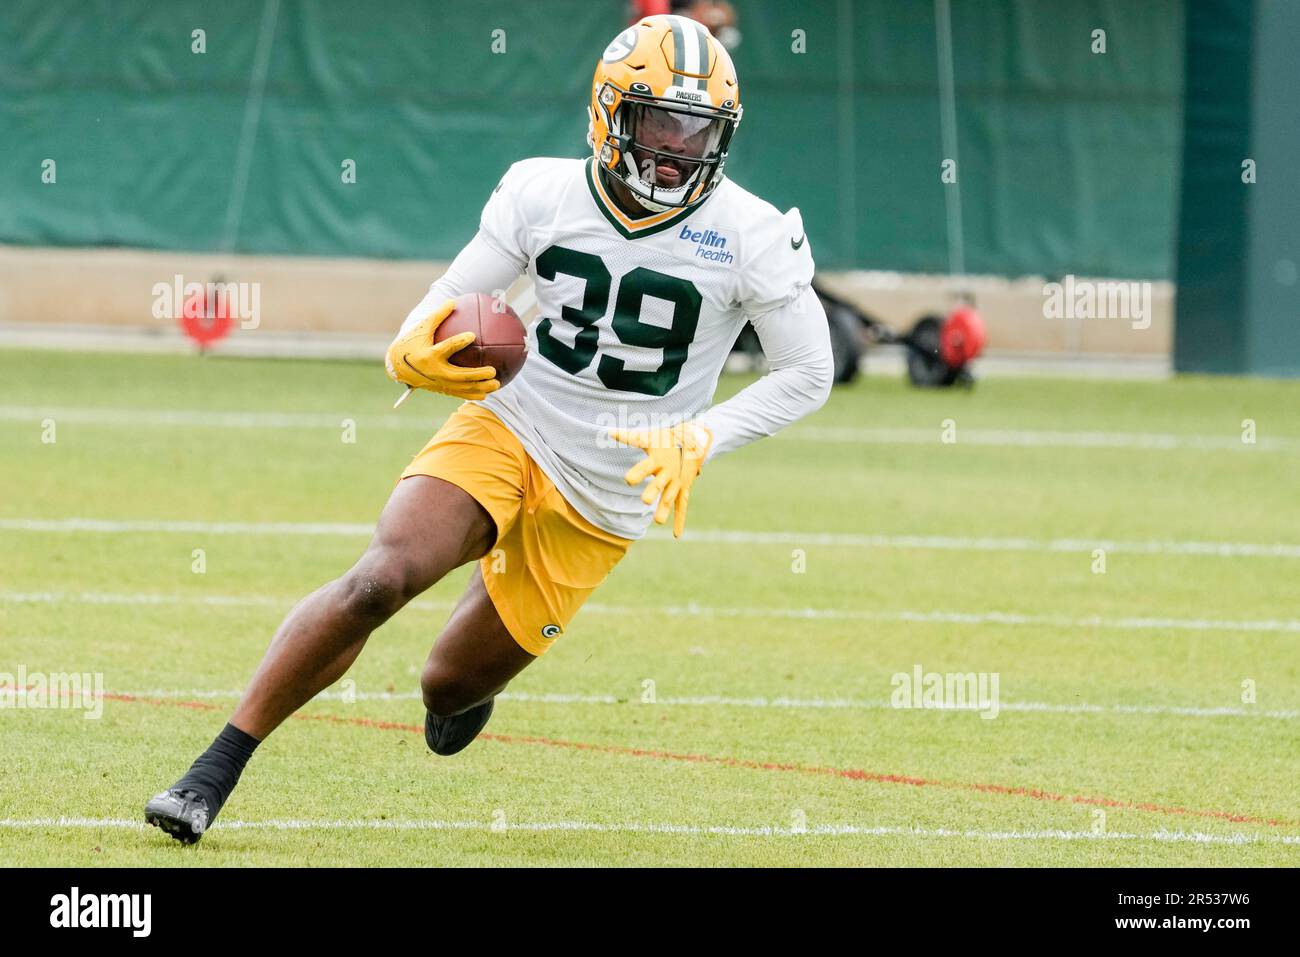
pixel 407 362
pixel 796 245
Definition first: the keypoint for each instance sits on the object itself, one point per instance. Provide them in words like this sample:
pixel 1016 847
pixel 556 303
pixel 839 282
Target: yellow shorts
pixel 547 558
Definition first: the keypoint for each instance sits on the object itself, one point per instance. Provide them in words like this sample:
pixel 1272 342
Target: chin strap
pixel 647 203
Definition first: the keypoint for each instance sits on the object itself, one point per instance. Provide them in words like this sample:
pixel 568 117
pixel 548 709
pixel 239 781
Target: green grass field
pixel 1126 733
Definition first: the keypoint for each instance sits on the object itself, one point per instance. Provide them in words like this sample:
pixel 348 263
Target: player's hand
pixel 415 360
pixel 673 458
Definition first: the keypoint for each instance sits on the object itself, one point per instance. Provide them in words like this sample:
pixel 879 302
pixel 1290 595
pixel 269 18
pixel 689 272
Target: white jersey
pixel 635 320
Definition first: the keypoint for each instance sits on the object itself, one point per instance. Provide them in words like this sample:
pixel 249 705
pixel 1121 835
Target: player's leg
pixel 472 661
pixel 428 527
pixel 519 600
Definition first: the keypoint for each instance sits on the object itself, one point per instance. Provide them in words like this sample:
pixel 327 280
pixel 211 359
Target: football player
pixel 646 262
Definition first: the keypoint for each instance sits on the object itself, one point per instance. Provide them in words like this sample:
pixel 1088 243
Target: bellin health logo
pixel 709 244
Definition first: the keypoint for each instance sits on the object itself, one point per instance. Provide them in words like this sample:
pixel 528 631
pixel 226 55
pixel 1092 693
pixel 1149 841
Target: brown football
pixel 498 334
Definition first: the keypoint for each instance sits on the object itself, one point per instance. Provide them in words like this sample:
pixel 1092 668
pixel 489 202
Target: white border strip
pixel 817 830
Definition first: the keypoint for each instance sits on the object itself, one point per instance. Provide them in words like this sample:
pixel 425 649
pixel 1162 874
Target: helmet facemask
pixel 671 155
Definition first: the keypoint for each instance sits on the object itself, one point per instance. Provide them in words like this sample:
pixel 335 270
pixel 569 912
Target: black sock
pixel 216 771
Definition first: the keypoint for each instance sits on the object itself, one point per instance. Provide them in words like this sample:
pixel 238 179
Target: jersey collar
pixel 628 227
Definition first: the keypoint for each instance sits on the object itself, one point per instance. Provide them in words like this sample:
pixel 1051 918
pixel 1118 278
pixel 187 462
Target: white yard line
pixel 196 418
pixel 601 827
pixel 1037 438
pixel 55 526
pixel 835 704
pixel 109 527
pixel 1128 623
pixel 1133 623
pixel 852 435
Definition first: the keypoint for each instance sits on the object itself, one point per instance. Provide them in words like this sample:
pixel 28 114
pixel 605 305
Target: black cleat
pixel 181 812
pixel 448 735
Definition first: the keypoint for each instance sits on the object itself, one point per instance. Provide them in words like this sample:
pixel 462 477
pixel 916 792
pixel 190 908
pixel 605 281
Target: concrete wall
pixel 116 288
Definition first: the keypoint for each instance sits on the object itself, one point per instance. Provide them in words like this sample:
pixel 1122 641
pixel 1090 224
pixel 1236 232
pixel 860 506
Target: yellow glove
pixel 673 459
pixel 415 360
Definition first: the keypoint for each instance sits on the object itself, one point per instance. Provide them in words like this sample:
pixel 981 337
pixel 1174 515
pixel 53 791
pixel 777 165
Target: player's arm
pixel 797 343
pixel 415 360
pixel 490 263
pixel 777 298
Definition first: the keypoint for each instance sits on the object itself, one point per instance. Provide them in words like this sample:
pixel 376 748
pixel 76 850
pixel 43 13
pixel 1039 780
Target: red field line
pixel 854 774
pixel 883 778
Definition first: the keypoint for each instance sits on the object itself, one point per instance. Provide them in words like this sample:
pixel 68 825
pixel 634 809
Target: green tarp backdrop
pixel 1239 233
pixel 1068 158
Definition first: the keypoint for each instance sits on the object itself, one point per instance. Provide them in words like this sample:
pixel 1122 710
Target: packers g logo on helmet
pixel 666 74
pixel 620 46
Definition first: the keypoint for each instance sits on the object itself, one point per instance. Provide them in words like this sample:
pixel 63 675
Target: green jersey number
pixel 674 340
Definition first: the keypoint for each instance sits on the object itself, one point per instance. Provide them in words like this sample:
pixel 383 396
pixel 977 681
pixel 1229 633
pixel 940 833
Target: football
pixel 498 334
